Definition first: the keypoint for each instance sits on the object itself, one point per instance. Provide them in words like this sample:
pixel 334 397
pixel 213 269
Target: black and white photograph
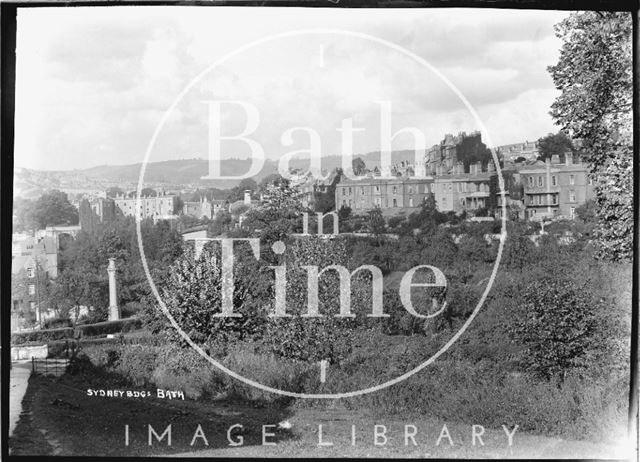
pixel 319 231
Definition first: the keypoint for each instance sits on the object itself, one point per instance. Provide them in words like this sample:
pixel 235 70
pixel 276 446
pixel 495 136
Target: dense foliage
pixel 50 209
pixel 594 75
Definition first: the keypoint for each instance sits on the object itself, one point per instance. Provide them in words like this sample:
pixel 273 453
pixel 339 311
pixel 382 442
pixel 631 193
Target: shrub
pixel 104 355
pixel 92 317
pixel 268 370
pixel 186 370
pixel 42 336
pixel 81 365
pixel 137 363
pixel 62 348
pixel 131 309
pixel 57 322
pixel 558 328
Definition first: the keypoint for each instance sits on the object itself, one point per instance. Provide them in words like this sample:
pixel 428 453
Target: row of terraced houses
pixel 461 175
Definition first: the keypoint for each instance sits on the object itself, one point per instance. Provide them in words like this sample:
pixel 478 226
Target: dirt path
pixel 20 372
pixel 337 440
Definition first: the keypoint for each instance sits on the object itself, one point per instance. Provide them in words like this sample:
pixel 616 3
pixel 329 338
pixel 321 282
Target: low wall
pixel 26 352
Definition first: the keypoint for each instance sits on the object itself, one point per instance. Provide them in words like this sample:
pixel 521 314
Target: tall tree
pixel 555 144
pixel 376 223
pixel 114 191
pixel 53 208
pixel 594 74
pixel 358 166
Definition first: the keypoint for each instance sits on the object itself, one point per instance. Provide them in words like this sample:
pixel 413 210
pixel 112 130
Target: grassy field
pixel 61 419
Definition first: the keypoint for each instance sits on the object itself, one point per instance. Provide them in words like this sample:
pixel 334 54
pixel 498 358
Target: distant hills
pixel 170 173
pixel 191 171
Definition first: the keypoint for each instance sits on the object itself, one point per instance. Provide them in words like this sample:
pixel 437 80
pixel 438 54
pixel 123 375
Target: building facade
pixel 204 208
pixel 34 262
pixel 463 179
pixel 393 195
pixel 553 189
pixel 96 212
pixel 529 150
pixel 464 192
pixel 149 207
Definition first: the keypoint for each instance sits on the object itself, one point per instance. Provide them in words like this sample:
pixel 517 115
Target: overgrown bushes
pixel 452 390
pixel 57 323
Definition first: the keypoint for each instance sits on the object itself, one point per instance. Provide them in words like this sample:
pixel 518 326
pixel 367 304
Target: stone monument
pixel 114 311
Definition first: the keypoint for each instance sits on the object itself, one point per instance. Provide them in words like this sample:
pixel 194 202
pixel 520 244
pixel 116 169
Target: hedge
pixel 42 336
pixel 57 348
pixel 89 330
pixel 108 327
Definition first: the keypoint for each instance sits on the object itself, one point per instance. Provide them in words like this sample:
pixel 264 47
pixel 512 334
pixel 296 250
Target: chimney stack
pixel 568 157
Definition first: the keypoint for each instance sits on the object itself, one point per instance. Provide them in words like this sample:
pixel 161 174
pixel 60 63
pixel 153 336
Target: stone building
pixel 204 208
pixel 161 205
pixel 34 261
pixel 466 149
pixel 392 195
pixel 554 189
pixel 465 192
pixel 315 193
pixel 457 171
pixel 93 213
pixel 529 150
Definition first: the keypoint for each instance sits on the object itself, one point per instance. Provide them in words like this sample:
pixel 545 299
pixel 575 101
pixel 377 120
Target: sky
pixel 93 84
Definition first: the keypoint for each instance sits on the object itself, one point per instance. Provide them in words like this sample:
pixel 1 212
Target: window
pixel 30 272
pixel 590 181
pixel 539 181
pixel 395 190
pixel 32 289
pixel 572 196
pixel 554 180
pixel 349 191
pixel 32 306
pixel 344 191
pixel 450 187
pixel 395 202
pixel 572 179
pixel 554 199
pixel 362 191
pixel 411 202
pixel 377 189
pixel 539 199
pixel 530 181
pixel 572 212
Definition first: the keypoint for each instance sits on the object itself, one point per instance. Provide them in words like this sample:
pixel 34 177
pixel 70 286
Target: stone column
pixel 114 311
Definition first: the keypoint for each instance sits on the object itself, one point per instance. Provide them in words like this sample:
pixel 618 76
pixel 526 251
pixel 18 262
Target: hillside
pixel 171 173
